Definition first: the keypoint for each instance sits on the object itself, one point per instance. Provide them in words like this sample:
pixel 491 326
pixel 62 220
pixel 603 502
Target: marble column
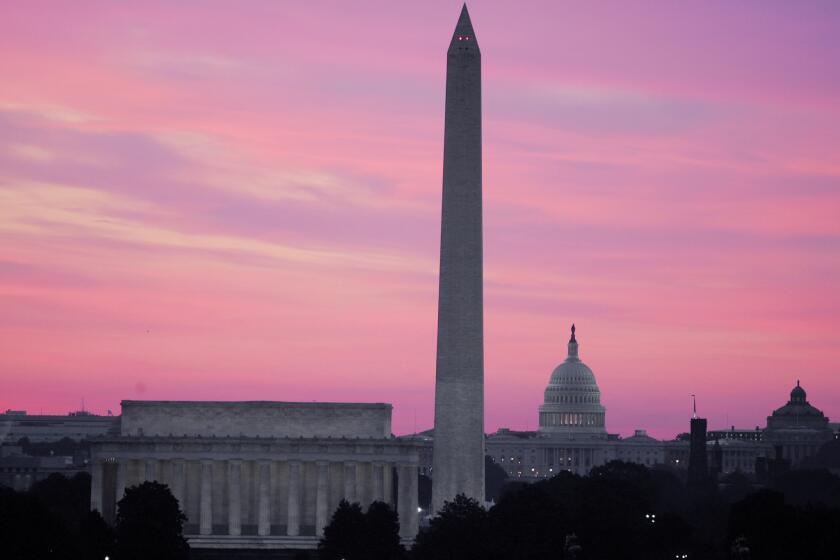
pixel 350 481
pixel 206 500
pixel 293 516
pixel 151 470
pixel 234 497
pixel 264 498
pixel 388 483
pixel 408 501
pixel 322 494
pixel 178 483
pixel 378 487
pixel 97 474
pixel 361 485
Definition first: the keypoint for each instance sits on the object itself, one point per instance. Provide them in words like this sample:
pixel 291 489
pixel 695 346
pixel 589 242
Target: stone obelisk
pixel 458 466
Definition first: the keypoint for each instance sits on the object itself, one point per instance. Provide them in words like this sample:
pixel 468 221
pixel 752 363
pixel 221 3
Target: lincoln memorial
pixel 258 474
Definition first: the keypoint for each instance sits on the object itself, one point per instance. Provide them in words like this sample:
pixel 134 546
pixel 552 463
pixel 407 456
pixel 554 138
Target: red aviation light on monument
pixel 463 39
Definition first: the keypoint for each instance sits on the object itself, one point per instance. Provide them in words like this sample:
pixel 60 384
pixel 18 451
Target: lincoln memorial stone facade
pixel 258 474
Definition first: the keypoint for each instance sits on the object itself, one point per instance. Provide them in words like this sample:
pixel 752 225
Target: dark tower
pixel 698 466
pixel 459 383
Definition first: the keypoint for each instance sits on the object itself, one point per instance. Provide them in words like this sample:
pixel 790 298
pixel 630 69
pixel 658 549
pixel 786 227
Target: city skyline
pixel 244 205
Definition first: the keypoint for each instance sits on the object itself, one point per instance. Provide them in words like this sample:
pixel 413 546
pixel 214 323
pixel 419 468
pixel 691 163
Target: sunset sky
pixel 241 201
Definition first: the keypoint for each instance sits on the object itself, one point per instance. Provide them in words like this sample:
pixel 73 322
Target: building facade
pixel 258 475
pixel 797 428
pixel 19 471
pixel 572 434
pixel 17 424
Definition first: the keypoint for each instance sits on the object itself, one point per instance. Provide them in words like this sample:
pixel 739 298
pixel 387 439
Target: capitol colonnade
pixel 251 491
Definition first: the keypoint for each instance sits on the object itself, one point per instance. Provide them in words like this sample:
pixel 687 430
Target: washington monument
pixel 459 385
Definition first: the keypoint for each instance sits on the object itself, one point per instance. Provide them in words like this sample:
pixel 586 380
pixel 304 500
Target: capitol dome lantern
pixel 572 403
pixel 798 395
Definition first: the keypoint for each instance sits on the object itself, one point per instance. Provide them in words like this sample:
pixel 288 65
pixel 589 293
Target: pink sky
pixel 215 200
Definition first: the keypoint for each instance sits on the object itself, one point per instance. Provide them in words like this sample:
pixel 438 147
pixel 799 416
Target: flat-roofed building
pixel 37 428
pixel 257 475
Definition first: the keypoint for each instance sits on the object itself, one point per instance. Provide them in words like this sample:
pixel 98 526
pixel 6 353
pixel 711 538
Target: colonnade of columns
pixel 574 459
pixel 357 481
pixel 579 419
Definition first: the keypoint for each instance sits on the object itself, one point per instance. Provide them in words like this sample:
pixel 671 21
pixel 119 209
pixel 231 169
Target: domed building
pixel 572 402
pixel 797 428
pixel 572 434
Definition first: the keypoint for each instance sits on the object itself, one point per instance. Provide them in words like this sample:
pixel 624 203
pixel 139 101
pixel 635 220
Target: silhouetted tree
pixel 801 487
pixel 84 533
pixel 624 511
pixel 629 502
pixel 494 480
pixel 611 503
pixel 95 537
pixel 459 531
pixel 382 531
pixel 527 523
pixel 150 524
pixel 353 535
pixel 767 523
pixel 68 498
pixel 53 520
pixel 776 528
pixel 735 486
pixel 622 471
pixel 27 529
pixel 344 536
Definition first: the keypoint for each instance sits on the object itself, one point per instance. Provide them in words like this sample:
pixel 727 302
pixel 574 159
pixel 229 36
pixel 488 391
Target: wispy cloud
pixel 86 215
pixel 254 193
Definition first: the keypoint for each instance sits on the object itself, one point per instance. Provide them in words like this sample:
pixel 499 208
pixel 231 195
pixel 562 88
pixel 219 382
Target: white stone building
pixel 258 475
pixel 572 433
pixel 572 403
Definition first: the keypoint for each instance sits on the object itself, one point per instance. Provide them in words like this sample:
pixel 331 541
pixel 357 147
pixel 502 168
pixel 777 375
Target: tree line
pixel 53 520
pixel 619 511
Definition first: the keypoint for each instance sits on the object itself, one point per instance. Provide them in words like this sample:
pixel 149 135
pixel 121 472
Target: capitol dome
pixel 572 402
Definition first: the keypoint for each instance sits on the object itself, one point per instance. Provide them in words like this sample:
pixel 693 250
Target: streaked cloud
pixel 244 203
pixel 86 215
